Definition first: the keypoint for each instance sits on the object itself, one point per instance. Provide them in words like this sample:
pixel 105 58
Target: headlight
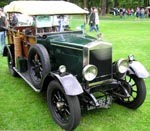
pixel 62 68
pixel 122 65
pixel 90 72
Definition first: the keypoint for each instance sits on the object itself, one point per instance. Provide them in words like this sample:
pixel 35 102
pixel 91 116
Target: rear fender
pixel 8 49
pixel 138 69
pixel 70 84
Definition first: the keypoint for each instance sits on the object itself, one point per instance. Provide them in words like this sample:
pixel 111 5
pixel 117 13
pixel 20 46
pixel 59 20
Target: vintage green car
pixel 74 68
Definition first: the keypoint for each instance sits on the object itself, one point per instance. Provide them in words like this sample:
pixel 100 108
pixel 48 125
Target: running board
pixel 25 76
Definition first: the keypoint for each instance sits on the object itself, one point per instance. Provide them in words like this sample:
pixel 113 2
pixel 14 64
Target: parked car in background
pixel 147 11
pixel 75 69
pixel 114 11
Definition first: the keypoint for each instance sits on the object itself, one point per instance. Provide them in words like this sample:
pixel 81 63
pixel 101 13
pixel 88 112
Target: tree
pixel 3 3
pixel 84 3
pixel 116 4
pixel 146 3
pixel 139 3
pixel 103 7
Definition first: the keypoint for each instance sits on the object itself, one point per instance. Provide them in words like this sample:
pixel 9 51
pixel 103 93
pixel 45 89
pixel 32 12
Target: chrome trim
pixel 100 82
pixel 85 56
pixel 95 44
pixel 84 72
pixel 119 64
pixel 67 47
pixel 92 46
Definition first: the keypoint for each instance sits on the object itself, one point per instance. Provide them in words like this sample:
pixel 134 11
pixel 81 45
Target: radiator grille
pixel 102 59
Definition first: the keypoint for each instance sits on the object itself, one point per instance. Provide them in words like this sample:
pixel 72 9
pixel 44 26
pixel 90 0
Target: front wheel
pixel 137 92
pixel 65 109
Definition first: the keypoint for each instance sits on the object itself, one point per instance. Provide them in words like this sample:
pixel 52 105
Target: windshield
pixel 58 23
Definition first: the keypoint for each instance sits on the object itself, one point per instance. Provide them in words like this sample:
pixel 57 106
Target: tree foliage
pixel 3 3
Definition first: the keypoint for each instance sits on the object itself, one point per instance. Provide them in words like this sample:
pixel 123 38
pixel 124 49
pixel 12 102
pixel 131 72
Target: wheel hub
pixel 60 105
pixel 37 69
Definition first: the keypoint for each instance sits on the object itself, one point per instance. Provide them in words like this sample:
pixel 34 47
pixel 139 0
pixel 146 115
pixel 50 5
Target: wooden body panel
pixel 25 40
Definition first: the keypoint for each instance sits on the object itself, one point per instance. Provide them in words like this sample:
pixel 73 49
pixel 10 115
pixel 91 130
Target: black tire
pixel 38 64
pixel 65 109
pixel 11 64
pixel 137 92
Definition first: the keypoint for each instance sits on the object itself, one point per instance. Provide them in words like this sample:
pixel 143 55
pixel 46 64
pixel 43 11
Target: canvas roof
pixel 44 8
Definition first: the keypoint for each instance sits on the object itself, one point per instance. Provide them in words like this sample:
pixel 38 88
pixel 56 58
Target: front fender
pixel 138 69
pixel 70 84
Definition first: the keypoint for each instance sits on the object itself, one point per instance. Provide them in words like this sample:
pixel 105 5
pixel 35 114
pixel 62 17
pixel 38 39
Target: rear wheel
pixel 65 109
pixel 11 64
pixel 137 92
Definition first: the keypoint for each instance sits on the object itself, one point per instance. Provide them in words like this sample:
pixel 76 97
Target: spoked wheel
pixel 65 109
pixel 38 64
pixel 137 91
pixel 11 64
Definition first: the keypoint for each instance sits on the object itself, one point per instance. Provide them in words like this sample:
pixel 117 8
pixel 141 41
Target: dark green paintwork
pixel 67 49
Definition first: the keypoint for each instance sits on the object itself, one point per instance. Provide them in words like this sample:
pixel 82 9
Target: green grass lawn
pixel 23 109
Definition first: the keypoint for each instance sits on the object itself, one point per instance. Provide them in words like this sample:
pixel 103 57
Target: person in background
pixel 128 12
pixel 147 12
pixel 96 19
pixel 14 20
pixel 61 23
pixel 132 11
pixel 142 12
pixel 137 13
pixel 124 12
pixel 3 23
pixel 121 12
pixel 92 20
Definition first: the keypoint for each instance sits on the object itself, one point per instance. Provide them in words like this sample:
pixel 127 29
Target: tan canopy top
pixel 44 8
